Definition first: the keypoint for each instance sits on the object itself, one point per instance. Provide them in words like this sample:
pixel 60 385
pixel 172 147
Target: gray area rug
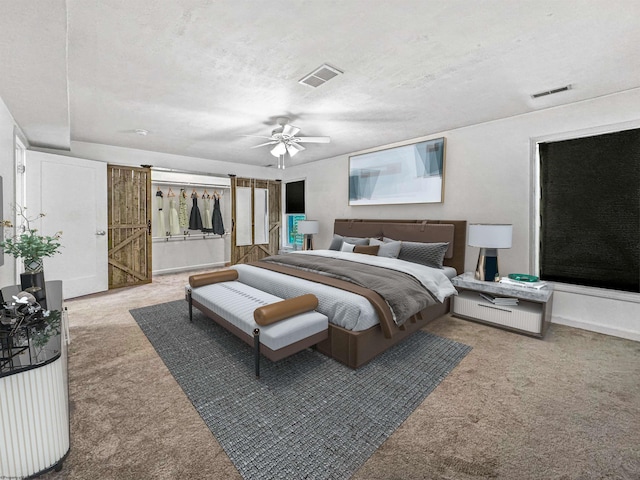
pixel 307 416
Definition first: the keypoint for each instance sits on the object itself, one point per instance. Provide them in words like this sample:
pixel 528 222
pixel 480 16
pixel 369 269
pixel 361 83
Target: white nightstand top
pixel 467 280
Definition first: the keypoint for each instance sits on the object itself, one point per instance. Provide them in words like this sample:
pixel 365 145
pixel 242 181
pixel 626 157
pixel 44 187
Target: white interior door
pixel 72 193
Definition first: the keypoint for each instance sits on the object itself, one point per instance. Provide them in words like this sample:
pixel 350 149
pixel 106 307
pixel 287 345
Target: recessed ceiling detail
pixel 551 92
pixel 320 76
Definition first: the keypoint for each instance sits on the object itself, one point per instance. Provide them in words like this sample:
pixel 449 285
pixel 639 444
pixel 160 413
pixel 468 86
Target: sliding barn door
pixel 129 210
pixel 257 219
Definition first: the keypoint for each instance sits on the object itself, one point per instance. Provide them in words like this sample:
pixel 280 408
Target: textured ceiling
pixel 199 74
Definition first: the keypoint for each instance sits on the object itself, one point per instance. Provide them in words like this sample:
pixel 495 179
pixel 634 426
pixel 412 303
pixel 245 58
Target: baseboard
pixel 190 267
pixel 595 327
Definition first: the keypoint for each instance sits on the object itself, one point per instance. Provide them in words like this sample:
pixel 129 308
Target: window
pixel 294 212
pixel 294 197
pixel 293 238
pixel 590 211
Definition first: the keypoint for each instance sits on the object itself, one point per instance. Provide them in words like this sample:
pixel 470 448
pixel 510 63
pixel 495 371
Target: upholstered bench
pixel 275 327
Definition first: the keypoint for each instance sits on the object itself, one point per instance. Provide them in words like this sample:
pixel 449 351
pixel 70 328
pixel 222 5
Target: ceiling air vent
pixel 551 92
pixel 320 75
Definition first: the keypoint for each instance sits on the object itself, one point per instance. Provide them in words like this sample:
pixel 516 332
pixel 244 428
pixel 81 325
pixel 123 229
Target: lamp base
pixel 487 268
pixel 307 242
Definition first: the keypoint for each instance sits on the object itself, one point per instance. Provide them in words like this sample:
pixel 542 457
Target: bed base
pixel 356 348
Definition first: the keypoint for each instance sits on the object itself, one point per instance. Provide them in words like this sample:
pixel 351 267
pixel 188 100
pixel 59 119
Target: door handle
pixel 101 232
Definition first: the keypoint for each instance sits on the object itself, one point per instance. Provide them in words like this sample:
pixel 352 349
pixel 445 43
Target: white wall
pixel 7 124
pixel 487 179
pixel 133 157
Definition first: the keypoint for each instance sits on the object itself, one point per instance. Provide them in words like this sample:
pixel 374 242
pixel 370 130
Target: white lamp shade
pixel 279 149
pixel 490 235
pixel 294 148
pixel 308 227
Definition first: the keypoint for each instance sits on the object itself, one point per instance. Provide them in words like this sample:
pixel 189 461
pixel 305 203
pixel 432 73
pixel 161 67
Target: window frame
pixel 534 208
pixel 297 244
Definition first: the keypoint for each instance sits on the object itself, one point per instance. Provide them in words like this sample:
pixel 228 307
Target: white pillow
pixel 389 249
pixel 347 247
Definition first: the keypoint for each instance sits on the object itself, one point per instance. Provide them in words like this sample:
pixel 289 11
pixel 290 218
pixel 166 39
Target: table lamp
pixel 489 237
pixel 308 228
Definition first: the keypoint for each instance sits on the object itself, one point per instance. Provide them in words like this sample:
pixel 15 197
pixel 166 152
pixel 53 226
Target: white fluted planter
pixel 34 406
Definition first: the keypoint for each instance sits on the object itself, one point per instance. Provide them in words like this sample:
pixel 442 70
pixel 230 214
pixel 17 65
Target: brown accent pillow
pixel 213 277
pixel 366 249
pixel 274 312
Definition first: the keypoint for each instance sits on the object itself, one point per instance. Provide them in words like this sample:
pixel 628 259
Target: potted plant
pixel 31 247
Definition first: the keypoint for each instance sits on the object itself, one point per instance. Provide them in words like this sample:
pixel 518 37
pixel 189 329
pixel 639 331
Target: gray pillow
pixel 336 243
pixel 429 254
pixel 387 249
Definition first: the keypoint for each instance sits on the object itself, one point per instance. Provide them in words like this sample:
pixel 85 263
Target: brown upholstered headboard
pixel 427 231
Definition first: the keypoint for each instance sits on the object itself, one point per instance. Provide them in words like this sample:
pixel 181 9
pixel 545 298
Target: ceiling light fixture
pixel 293 148
pixel 279 149
pixel 283 139
pixel 141 131
pixel 286 145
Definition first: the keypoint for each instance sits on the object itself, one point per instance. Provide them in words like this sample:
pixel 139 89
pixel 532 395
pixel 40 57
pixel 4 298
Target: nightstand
pixel 531 316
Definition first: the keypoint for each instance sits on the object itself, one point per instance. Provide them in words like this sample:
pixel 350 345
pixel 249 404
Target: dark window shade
pixel 294 197
pixel 590 211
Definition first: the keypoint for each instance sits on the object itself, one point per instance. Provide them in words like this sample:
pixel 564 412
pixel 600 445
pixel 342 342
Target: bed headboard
pixel 427 231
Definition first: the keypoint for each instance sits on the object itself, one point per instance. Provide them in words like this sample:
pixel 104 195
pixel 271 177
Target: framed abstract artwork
pixel 407 174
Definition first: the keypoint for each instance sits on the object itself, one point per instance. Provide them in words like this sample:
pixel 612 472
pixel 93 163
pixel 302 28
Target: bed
pixel 363 323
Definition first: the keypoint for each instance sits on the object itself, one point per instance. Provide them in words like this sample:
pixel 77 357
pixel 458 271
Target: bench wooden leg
pixel 190 305
pixel 256 350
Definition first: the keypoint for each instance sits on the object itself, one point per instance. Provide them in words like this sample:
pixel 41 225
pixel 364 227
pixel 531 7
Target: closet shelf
pixel 191 184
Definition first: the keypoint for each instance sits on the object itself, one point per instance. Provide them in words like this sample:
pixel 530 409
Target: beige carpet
pixel 567 407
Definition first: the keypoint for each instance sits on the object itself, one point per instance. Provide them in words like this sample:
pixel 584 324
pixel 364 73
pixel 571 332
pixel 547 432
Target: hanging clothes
pixel 206 217
pixel 161 230
pixel 218 225
pixel 174 224
pixel 183 217
pixel 195 220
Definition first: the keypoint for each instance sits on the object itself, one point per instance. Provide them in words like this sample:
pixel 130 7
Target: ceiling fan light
pixel 279 149
pixel 293 148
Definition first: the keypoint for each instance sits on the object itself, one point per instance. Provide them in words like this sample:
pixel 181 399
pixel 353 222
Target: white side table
pixel 531 316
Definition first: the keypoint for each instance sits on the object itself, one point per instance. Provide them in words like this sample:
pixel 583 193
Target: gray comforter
pixel 404 293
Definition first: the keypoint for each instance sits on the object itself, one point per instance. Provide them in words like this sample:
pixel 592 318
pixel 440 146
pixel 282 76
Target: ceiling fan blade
pixel 289 130
pixel 263 144
pixel 314 139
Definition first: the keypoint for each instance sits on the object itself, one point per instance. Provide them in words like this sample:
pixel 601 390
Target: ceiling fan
pixel 284 140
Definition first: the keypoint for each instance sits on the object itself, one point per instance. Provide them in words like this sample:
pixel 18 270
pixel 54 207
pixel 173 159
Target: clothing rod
pixel 192 236
pixel 189 184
